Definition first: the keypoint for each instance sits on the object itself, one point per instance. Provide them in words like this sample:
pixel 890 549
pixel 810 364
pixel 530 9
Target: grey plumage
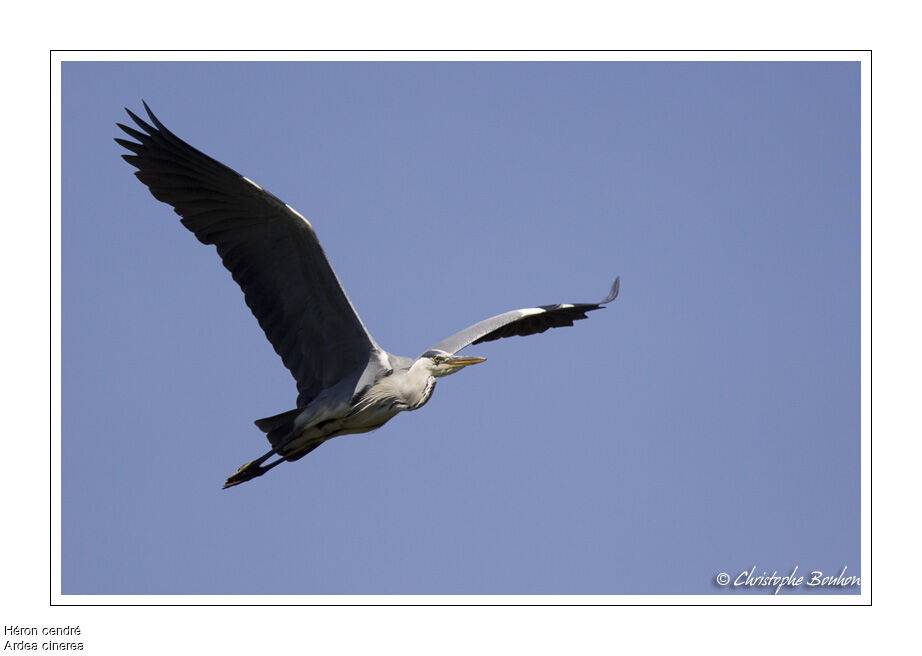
pixel 346 382
pixel 526 321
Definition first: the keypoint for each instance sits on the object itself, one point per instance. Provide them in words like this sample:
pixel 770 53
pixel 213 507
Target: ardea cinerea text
pixel 346 382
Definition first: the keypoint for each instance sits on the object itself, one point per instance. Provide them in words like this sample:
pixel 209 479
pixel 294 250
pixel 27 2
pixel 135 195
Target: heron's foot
pixel 252 469
pixel 247 472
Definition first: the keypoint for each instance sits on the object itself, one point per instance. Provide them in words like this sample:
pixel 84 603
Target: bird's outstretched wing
pixel 527 321
pixel 269 248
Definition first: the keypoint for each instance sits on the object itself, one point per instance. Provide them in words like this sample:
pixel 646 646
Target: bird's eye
pixel 438 359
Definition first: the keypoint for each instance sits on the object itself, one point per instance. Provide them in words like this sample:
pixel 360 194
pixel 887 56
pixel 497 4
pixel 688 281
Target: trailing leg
pixel 251 470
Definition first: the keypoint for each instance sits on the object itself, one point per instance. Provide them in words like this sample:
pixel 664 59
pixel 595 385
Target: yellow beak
pixel 464 360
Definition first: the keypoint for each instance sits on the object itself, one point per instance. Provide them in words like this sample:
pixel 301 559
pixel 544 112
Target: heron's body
pixel 354 409
pixel 346 382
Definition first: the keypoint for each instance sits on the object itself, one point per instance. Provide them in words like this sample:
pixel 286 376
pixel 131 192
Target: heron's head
pixel 440 363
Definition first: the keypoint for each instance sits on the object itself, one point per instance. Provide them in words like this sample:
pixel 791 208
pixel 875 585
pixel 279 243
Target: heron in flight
pixel 346 382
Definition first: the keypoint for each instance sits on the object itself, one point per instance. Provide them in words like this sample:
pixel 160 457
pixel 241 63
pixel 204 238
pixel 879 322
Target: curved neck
pixel 418 383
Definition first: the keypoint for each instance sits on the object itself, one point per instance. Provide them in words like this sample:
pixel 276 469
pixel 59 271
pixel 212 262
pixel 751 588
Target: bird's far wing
pixel 270 249
pixel 527 321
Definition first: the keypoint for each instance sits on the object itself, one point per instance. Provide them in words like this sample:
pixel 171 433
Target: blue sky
pixel 706 422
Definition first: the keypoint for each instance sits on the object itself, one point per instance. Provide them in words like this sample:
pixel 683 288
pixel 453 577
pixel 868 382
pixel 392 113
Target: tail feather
pixel 278 427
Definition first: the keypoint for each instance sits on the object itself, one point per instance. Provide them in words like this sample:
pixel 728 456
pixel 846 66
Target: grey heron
pixel 346 382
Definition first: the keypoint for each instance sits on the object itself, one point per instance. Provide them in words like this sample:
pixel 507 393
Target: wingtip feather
pixel 141 122
pixel 153 118
pixel 613 292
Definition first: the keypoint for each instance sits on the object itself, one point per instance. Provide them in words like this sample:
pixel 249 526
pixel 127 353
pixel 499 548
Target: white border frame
pixel 57 599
